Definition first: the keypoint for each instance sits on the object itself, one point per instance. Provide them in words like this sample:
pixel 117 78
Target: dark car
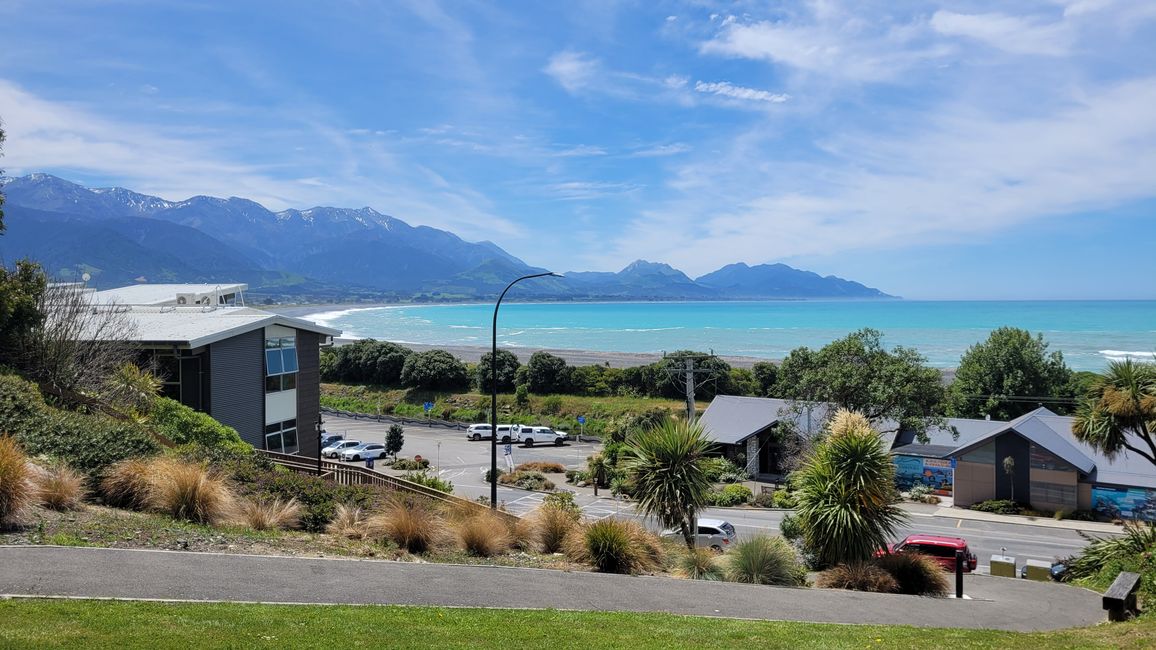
pixel 1058 570
pixel 330 438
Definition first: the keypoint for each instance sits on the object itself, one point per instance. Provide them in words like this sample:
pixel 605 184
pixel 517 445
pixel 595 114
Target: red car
pixel 941 549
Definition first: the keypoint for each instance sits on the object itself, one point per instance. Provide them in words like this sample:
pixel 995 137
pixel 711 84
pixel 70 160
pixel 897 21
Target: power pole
pixel 689 373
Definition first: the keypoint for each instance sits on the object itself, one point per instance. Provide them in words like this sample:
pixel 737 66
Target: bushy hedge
pixel 317 496
pixel 86 442
pixel 183 425
pixel 729 496
pixel 999 506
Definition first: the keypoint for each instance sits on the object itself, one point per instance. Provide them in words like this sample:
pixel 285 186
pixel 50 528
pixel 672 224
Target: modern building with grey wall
pixel 254 370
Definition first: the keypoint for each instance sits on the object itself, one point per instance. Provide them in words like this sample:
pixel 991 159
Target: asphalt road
pixel 998 603
pixel 463 462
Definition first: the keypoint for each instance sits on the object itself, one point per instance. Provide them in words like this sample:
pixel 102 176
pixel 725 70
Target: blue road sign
pixel 428 406
pixel 581 419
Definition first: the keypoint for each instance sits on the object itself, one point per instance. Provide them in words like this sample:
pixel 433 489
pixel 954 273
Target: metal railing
pixel 399 419
pixel 343 474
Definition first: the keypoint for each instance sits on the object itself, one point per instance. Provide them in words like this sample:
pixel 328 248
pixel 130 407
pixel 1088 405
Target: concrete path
pixel 1094 527
pixel 999 603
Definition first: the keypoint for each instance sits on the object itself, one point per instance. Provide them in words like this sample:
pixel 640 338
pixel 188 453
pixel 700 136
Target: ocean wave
pixel 1121 355
pixel 463 327
pixel 651 329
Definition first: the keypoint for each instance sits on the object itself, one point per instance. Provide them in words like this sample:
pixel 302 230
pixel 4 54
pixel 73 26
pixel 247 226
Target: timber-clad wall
pixel 238 385
pixel 308 390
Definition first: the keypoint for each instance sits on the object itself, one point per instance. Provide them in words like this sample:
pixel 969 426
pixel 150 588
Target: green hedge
pixel 183 425
pixel 86 442
pixel 729 496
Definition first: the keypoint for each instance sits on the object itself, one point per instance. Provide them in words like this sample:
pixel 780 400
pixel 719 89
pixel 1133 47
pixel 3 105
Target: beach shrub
pixel 490 473
pixel 365 362
pixel 552 525
pixel 16 488
pixel 507 367
pixel 527 481
pixel 699 564
pixel 318 497
pixel 764 500
pixel 434 370
pixel 126 484
pixel 273 514
pixel 861 576
pixel 188 491
pixel 730 496
pixel 546 373
pixel 784 499
pixel 1000 507
pixel 564 501
pixel 483 534
pixel 411 523
pixel 539 466
pixel 59 487
pixel 764 560
pixel 790 528
pixel 614 546
pixel 551 405
pixel 183 425
pixel 409 464
pixel 722 470
pixel 429 481
pixel 348 521
pixel 915 574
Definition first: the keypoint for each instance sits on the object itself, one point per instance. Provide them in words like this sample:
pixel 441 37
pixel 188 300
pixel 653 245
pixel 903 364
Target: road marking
pixel 959 523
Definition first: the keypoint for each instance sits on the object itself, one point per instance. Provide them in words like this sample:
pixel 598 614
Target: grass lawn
pixel 106 624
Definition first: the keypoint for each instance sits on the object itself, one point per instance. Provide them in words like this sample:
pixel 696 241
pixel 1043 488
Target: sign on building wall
pixel 1124 503
pixel 936 473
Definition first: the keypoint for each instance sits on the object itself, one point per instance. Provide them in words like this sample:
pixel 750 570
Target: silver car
pixel 336 448
pixel 363 451
pixel 714 534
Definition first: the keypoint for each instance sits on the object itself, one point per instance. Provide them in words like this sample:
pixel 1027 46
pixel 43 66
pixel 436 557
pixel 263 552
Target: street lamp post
pixel 494 391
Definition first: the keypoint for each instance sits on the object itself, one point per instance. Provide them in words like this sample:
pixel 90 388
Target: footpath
pixel 995 603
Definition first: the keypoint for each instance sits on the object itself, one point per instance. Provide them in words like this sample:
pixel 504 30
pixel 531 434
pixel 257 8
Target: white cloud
pixel 588 190
pixel 727 89
pixel 581 150
pixel 1009 33
pixel 662 150
pixel 575 71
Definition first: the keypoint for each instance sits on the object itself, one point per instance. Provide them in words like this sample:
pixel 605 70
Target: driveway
pixel 998 603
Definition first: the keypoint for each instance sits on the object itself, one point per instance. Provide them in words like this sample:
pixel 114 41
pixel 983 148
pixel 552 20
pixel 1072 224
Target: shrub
pixel 784 499
pixel 407 464
pixel 564 501
pixel 1103 551
pixel 434 370
pixel 261 514
pixel 764 500
pixel 430 481
pixel 699 564
pixel 764 560
pixel 551 526
pixel 489 477
pixel 126 484
pixel 790 528
pixel 188 491
pixel 915 574
pixel 539 466
pixel 1000 507
pixel 412 524
pixel 613 546
pixel 16 489
pixel 527 481
pixel 317 496
pixel 861 576
pixel 60 487
pixel 729 496
pixel 484 534
pixel 551 405
pixel 183 425
pixel 348 521
pixel 722 470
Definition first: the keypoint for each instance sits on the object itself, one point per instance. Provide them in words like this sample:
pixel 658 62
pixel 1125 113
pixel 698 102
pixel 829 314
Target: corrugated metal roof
pixel 197 326
pixel 731 419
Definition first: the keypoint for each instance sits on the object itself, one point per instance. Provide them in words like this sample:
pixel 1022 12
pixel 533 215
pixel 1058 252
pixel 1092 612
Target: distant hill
pixel 119 237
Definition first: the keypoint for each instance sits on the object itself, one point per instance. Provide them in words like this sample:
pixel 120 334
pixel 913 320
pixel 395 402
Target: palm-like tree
pixel 847 502
pixel 672 483
pixel 1120 410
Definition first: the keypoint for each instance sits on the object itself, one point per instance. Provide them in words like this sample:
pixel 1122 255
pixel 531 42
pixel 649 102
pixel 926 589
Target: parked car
pixel 1057 571
pixel 330 438
pixel 939 548
pixel 333 449
pixel 363 451
pixel 531 435
pixel 715 534
pixel 478 431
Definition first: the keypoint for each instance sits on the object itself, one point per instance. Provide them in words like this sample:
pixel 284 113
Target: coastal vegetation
pixel 670 479
pixel 1010 374
pixel 1119 412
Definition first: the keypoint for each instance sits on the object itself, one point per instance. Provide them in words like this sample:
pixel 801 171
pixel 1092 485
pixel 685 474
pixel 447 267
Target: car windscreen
pixel 728 528
pixel 934 550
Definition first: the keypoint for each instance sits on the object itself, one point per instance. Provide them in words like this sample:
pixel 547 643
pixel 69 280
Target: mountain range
pixel 122 237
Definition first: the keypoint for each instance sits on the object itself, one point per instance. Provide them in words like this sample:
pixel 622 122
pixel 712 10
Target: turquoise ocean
pixel 1089 333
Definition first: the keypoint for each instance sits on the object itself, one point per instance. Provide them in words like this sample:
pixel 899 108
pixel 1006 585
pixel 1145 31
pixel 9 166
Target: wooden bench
pixel 1120 599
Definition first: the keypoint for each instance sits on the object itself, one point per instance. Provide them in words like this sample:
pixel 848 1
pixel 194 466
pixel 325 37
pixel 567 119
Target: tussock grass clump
pixel 860 576
pixel 699 564
pixel 539 466
pixel 188 491
pixel 551 526
pixel 126 484
pixel 412 524
pixel 484 534
pixel 915 574
pixel 524 534
pixel 348 521
pixel 764 560
pixel 269 515
pixel 60 487
pixel 16 488
pixel 614 546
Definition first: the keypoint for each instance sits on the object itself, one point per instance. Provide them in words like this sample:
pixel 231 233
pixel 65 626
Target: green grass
pixel 113 624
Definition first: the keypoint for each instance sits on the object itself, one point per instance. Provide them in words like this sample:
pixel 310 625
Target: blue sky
pixel 931 149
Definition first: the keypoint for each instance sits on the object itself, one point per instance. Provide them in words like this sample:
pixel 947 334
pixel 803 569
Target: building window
pixel 1054 493
pixel 1043 459
pixel 280 364
pixel 282 437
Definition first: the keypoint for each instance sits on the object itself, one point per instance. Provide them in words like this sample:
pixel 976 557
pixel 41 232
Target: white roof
pixel 161 294
pixel 197 326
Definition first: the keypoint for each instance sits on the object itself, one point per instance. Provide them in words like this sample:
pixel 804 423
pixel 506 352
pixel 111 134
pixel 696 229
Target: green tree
pixel 367 362
pixel 766 374
pixel 667 465
pixel 667 377
pixel 394 439
pixel 434 370
pixel 546 373
pixel 507 367
pixel 1119 412
pixel 847 505
pixel 21 292
pixel 858 374
pixel 1011 363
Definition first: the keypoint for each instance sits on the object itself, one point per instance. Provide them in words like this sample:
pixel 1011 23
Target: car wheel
pixel 557 442
pixel 477 437
pixel 529 442
pixel 505 440
pixel 716 548
pixel 356 458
